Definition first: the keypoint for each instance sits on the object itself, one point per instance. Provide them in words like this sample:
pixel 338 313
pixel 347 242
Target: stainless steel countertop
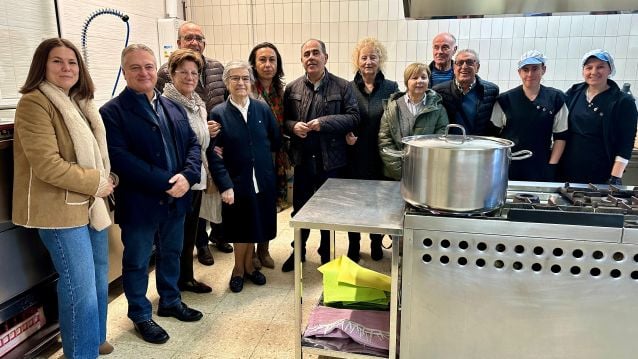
pixel 354 205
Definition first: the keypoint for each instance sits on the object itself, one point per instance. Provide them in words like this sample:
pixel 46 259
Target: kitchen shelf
pixel 351 206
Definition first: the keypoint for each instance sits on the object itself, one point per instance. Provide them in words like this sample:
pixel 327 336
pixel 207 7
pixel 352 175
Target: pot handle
pixel 393 153
pixel 447 130
pixel 521 155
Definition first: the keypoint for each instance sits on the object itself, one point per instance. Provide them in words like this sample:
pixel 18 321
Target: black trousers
pixel 190 235
pixel 309 176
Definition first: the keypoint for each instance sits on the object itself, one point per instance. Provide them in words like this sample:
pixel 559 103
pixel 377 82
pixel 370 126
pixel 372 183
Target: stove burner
pixel 526 198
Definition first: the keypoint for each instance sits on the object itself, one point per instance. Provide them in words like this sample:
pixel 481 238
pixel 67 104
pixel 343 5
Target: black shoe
pixel 204 256
pixel 194 286
pixel 289 264
pixel 353 250
pixel 236 284
pixel 151 332
pixel 376 249
pixel 324 254
pixel 256 277
pixel 181 312
pixel 223 246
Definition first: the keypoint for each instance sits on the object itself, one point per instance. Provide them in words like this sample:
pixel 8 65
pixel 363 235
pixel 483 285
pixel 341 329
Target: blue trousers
pixel 80 256
pixel 138 240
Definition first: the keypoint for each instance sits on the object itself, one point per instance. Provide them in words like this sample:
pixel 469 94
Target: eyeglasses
pixel 189 38
pixel 468 62
pixel 236 79
pixel 186 74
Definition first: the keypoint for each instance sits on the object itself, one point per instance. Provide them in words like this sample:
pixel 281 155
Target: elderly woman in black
pixel 245 175
pixel 372 90
pixel 602 125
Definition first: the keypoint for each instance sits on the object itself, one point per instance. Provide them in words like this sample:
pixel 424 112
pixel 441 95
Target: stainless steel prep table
pixel 355 206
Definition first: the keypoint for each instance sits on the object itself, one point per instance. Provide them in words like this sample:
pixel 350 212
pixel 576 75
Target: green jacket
pixel 397 122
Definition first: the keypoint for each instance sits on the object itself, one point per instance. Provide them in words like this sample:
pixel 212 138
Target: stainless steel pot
pixel 456 173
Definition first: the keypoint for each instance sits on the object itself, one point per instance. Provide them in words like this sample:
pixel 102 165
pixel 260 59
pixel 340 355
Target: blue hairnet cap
pixel 601 55
pixel 532 57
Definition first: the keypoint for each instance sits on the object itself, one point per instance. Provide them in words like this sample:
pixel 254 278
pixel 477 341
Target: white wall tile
pixel 633 30
pixel 373 10
pixel 412 30
pixel 444 25
pixel 421 52
pixel 464 29
pixel 632 50
pixel 353 10
pixel 553 26
pixel 392 30
pixel 486 28
pixel 622 47
pixel 363 31
pixel 475 28
pixel 422 30
pixel 363 11
pixel 506 48
pixel 306 15
pixel 542 23
pixel 565 26
pixel 495 48
pixel 484 49
pixel 589 22
pixel 530 27
pixel 562 47
pixel 382 30
pixel 454 27
pixel 519 28
pixel 402 30
pixel 550 48
pixel 296 13
pixel 497 28
pixel 508 27
pixel 343 11
pixel 600 25
pixel 624 24
pixel 315 11
pixel 576 28
pixel 433 30
pixel 325 12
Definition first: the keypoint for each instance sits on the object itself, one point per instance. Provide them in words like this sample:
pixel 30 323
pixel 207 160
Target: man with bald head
pixel 211 89
pixel 443 49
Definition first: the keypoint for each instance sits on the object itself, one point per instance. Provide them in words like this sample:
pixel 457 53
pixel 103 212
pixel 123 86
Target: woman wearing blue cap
pixel 602 125
pixel 534 117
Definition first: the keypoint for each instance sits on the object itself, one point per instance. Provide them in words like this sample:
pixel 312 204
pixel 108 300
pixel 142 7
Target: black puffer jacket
pixel 364 161
pixel 212 91
pixel 453 99
pixel 336 108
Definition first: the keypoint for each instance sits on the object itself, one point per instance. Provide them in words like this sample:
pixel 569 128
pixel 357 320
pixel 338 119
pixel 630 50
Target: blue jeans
pixel 81 258
pixel 138 241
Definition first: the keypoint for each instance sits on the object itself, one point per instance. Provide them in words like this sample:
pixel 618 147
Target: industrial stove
pixel 551 274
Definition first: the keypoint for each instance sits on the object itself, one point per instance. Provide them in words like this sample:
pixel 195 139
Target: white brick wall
pixel 500 41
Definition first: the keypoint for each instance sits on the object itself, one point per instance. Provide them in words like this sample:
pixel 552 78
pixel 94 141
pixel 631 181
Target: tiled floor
pixel 256 323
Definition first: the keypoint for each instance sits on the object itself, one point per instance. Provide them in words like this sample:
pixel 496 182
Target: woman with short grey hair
pixel 245 175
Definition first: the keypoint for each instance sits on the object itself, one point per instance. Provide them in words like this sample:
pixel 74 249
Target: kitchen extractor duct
pixel 427 9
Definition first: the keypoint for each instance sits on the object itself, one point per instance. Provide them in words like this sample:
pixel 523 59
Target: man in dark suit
pixel 156 153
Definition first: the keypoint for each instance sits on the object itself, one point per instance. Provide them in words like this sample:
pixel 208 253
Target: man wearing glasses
pixel 468 99
pixel 212 90
pixel 154 148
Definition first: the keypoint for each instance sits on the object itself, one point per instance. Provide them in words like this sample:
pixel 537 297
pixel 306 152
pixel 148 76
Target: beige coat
pixel 49 189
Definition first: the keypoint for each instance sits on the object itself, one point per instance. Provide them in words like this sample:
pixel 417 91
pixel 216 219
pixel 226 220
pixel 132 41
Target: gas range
pixel 555 267
pixel 560 203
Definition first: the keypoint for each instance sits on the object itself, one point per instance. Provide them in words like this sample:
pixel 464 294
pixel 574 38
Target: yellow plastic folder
pixel 346 281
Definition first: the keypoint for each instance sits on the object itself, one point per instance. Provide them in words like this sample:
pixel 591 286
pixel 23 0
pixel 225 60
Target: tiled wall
pixel 107 33
pixel 234 26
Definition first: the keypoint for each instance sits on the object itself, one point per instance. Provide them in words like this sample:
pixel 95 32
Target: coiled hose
pixel 85 28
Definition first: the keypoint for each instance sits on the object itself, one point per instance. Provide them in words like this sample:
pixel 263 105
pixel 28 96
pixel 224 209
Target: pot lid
pixel 457 141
